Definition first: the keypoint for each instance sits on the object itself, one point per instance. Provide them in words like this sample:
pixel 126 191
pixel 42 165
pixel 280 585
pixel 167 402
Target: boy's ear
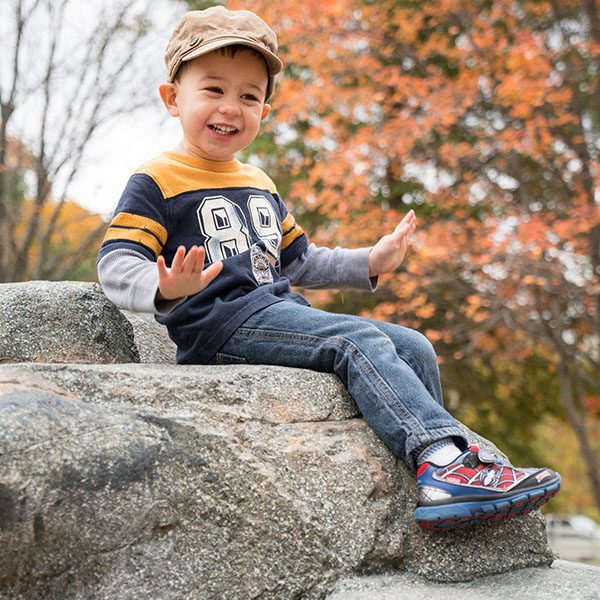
pixel 265 111
pixel 168 95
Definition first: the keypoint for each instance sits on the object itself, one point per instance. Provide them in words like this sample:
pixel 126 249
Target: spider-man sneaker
pixel 478 486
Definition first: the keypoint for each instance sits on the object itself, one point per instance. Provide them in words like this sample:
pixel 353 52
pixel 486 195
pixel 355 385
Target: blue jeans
pixel 390 371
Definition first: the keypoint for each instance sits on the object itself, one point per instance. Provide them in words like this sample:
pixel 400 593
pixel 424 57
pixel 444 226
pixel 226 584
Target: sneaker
pixel 478 486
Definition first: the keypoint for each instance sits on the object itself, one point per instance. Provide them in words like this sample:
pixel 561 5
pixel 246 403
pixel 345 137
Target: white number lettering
pixel 265 224
pixel 224 227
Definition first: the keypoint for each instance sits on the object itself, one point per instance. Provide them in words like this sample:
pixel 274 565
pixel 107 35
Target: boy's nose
pixel 229 108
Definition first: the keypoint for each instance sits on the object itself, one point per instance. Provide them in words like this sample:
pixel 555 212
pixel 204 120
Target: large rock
pixel 147 481
pixel 74 322
pixel 138 481
pixel 570 581
pixel 68 322
pixel 151 339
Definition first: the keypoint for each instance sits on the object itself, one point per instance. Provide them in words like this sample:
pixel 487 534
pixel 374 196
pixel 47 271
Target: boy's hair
pixel 202 31
pixel 230 51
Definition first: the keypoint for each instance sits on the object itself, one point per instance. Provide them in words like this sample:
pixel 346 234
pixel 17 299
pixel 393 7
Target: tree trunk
pixel 577 420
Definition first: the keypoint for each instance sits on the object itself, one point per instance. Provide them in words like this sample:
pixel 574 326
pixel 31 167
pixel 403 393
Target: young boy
pixel 206 243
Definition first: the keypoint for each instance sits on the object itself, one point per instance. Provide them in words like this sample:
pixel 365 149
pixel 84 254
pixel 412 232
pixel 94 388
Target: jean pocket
pixel 220 358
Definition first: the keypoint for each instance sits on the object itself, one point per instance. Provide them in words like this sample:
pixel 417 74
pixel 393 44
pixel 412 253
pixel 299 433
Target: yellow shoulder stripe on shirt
pixel 174 177
pixel 291 230
pixel 135 228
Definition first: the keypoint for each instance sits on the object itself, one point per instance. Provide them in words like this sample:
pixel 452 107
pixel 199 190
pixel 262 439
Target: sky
pixel 123 143
pixel 116 153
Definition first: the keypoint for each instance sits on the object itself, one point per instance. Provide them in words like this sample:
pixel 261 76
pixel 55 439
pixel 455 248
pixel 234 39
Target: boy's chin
pixel 199 152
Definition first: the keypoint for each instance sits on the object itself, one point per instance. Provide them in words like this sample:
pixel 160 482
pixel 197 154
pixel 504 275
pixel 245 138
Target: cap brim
pixel 274 63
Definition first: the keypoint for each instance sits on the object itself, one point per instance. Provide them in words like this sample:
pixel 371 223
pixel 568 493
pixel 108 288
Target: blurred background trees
pixel 67 70
pixel 481 116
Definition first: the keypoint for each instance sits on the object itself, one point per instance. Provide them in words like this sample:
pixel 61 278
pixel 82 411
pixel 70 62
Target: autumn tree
pixel 483 117
pixel 67 69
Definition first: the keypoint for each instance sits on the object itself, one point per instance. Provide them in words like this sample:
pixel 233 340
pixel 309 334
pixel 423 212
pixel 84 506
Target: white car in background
pixel 575 538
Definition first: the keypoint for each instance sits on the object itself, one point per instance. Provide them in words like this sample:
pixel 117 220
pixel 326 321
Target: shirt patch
pixel 260 265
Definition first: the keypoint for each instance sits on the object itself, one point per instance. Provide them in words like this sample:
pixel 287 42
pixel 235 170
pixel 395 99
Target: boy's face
pixel 219 100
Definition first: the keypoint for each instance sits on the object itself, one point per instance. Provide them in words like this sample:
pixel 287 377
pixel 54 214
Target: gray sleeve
pixel 324 268
pixel 130 281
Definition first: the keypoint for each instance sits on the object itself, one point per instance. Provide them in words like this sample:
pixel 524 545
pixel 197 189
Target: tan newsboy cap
pixel 202 31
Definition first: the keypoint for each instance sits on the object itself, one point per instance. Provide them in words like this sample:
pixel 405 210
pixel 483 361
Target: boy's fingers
pixel 408 227
pixel 211 272
pixel 200 260
pixel 178 259
pixel 409 216
pixel 402 230
pixel 162 267
pixel 189 262
pixel 409 220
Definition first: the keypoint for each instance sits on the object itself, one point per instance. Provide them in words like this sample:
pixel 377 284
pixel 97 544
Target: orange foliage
pixel 483 118
pixel 72 225
pixel 480 110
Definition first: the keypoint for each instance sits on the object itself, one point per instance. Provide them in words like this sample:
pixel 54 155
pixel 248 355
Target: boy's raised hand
pixel 186 276
pixel 388 253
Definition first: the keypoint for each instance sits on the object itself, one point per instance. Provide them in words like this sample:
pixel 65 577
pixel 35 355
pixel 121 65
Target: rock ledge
pixel 158 481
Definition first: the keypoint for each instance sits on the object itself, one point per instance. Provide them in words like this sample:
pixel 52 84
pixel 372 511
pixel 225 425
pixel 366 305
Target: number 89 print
pixel 225 227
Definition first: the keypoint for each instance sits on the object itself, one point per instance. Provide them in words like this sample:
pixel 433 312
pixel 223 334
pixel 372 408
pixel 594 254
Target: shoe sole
pixel 462 514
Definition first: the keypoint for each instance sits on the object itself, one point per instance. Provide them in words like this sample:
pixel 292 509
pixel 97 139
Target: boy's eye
pixel 250 97
pixel 214 89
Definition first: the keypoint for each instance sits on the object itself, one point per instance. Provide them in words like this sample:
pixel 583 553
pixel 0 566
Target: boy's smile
pixel 219 100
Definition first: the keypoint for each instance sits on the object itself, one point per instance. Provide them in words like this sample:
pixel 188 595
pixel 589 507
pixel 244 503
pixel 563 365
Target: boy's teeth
pixel 223 129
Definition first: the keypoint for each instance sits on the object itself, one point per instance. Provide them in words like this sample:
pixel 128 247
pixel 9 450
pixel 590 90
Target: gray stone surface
pixel 64 322
pixel 151 339
pixel 568 581
pixel 159 481
pixel 164 482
